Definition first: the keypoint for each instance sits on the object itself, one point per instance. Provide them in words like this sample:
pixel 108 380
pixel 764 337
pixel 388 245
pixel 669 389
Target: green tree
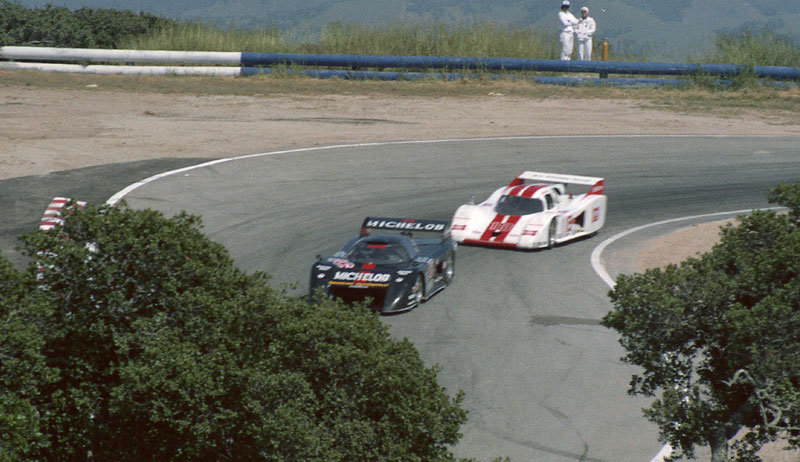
pixel 718 336
pixel 23 372
pixel 84 28
pixel 140 340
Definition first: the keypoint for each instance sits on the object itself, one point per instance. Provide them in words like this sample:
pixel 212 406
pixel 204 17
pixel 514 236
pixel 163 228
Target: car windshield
pixel 378 252
pixel 516 205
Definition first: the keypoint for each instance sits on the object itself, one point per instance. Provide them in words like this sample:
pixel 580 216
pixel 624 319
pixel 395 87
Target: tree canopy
pixel 134 337
pixel 718 336
pixel 57 26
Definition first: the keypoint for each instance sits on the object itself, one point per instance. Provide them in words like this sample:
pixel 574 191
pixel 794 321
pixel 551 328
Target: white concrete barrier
pixel 126 56
pixel 128 70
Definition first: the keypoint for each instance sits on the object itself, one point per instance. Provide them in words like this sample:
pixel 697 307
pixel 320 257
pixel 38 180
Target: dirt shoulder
pixel 91 121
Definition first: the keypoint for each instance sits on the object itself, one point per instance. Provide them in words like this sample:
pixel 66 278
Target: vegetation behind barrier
pixel 108 28
pixel 759 47
pixel 191 36
pixel 82 28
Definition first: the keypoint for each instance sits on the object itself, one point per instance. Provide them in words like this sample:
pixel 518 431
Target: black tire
pixel 449 269
pixel 551 234
pixel 418 289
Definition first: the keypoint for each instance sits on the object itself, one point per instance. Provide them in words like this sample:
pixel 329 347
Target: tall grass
pixel 480 39
pixel 747 48
pixel 191 36
pixel 755 48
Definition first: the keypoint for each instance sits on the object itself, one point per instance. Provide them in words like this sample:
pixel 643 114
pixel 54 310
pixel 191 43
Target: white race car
pixel 533 211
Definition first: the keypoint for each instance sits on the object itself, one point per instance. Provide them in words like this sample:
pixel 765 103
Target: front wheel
pixel 449 269
pixel 551 234
pixel 418 290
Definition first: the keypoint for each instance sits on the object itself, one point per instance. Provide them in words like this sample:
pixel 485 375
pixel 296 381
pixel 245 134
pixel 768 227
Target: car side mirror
pixel 471 200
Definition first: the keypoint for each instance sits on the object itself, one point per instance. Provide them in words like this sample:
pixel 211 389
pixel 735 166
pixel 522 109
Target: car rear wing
pixel 596 184
pixel 409 225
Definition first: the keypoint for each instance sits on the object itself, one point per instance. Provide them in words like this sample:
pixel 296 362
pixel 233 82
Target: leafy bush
pixel 716 336
pixel 83 28
pixel 142 341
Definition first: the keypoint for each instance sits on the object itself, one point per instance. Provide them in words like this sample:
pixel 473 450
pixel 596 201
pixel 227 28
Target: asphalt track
pixel 517 331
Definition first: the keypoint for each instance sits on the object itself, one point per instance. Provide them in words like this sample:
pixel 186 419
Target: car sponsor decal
pixel 531 229
pixel 407 224
pixel 596 214
pixel 361 276
pixel 342 263
pixel 357 284
pixel 323 267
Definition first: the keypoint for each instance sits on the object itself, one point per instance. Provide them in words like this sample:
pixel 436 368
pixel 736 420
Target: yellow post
pixel 604 75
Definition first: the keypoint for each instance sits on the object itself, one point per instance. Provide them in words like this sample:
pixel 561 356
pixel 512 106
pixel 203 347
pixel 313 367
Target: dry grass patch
pixel 690 98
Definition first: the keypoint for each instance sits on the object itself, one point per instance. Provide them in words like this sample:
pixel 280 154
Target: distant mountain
pixel 667 30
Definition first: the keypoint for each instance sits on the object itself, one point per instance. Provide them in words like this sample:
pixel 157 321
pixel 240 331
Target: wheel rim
pixel 450 269
pixel 418 290
pixel 551 235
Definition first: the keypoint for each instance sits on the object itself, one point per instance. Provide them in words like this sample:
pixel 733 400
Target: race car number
pixel 502 227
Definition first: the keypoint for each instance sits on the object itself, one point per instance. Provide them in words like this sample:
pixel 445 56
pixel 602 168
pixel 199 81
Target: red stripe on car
pixel 508 226
pixel 487 233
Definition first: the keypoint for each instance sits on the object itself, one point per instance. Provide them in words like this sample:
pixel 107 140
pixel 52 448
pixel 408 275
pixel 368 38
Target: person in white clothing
pixel 584 32
pixel 568 24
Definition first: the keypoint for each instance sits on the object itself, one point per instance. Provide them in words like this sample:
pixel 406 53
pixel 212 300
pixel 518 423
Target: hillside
pixel 666 30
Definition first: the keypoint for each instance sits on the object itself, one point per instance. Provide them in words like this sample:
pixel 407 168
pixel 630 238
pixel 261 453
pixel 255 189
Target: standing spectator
pixel 568 24
pixel 585 31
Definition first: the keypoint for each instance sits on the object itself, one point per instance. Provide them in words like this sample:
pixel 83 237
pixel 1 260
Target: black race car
pixel 395 270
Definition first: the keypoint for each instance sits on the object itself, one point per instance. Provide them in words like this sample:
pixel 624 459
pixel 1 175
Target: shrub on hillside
pixel 82 28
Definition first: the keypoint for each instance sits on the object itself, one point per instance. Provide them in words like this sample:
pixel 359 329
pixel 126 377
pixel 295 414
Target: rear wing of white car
pixel 596 183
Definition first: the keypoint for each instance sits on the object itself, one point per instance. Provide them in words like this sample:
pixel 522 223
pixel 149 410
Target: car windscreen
pixel 516 205
pixel 378 252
